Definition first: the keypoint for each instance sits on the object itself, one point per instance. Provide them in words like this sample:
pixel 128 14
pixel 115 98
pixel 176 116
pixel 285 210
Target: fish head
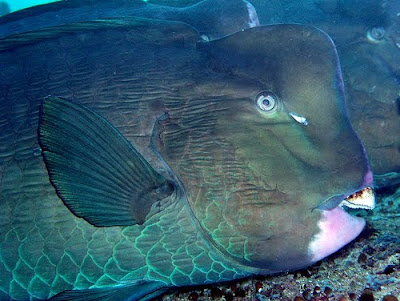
pixel 378 124
pixel 267 154
pixel 374 103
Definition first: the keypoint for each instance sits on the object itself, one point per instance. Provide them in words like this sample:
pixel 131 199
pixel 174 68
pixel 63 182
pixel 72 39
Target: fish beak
pixel 363 199
pixel 337 228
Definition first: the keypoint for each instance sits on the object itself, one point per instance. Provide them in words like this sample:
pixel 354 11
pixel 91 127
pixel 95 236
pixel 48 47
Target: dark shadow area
pixel 4 8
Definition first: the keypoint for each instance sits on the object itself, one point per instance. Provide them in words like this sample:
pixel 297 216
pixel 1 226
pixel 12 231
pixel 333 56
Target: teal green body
pixel 45 249
pixel 157 165
pixel 62 252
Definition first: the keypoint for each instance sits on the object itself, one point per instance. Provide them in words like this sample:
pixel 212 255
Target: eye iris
pixel 267 101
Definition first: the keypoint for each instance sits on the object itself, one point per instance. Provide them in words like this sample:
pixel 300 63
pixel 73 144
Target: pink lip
pixel 368 179
pixel 337 228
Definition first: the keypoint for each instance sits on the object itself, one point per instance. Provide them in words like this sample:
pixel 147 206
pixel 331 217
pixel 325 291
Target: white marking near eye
pixel 299 119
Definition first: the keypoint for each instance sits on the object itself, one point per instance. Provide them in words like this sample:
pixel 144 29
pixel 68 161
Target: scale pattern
pixel 44 248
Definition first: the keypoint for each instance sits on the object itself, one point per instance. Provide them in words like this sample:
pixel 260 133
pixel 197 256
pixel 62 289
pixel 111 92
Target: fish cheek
pixel 278 234
pixel 264 207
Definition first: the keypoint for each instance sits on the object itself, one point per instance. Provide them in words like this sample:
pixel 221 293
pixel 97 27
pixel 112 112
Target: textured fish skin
pixel 159 88
pixel 57 251
pixel 370 69
pixel 214 18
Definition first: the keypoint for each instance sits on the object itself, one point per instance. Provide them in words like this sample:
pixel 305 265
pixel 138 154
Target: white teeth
pixel 364 199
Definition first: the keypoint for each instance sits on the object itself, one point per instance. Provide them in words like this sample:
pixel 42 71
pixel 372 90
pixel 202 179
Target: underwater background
pixel 13 5
pixel 367 37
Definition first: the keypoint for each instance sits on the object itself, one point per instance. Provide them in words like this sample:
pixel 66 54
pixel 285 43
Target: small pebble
pixel 328 291
pixel 298 298
pixel 352 296
pixel 216 293
pixel 229 297
pixel 317 291
pixel 362 258
pixel 389 269
pixel 259 287
pixel 343 298
pixel 367 295
pixel 193 296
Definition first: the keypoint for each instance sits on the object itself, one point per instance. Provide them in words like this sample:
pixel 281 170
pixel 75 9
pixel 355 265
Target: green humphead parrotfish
pixel 366 35
pixel 137 157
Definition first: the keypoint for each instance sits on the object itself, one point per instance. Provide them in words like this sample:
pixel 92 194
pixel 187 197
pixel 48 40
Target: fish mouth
pixel 336 228
pixel 362 199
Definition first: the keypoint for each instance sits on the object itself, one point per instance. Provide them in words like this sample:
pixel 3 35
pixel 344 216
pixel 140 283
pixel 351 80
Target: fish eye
pixel 376 34
pixel 267 101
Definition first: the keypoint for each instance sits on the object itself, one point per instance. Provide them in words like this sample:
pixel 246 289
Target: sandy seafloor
pixel 366 269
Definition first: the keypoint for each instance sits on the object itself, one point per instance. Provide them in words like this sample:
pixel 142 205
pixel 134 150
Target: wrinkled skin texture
pixel 373 89
pixel 301 154
pixel 58 251
pixel 235 211
pixel 212 18
pixel 370 68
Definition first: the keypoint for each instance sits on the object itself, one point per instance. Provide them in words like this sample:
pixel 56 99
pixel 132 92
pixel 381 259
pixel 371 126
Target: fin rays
pixel 95 170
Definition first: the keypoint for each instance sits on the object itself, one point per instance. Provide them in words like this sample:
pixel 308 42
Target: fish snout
pixel 337 228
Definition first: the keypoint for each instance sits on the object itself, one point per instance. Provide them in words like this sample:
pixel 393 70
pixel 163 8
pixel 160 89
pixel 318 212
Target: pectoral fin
pixel 142 290
pixel 97 173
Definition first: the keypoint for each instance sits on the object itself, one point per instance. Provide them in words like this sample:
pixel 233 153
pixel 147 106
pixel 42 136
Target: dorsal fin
pixel 134 23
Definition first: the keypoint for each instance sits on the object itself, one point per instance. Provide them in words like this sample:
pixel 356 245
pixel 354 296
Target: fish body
pixel 376 95
pixel 213 18
pixel 162 160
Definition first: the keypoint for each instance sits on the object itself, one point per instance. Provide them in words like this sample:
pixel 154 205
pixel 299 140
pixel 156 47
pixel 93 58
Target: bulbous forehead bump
pixel 293 157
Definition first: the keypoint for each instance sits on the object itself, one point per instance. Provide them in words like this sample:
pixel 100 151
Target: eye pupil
pixel 267 101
